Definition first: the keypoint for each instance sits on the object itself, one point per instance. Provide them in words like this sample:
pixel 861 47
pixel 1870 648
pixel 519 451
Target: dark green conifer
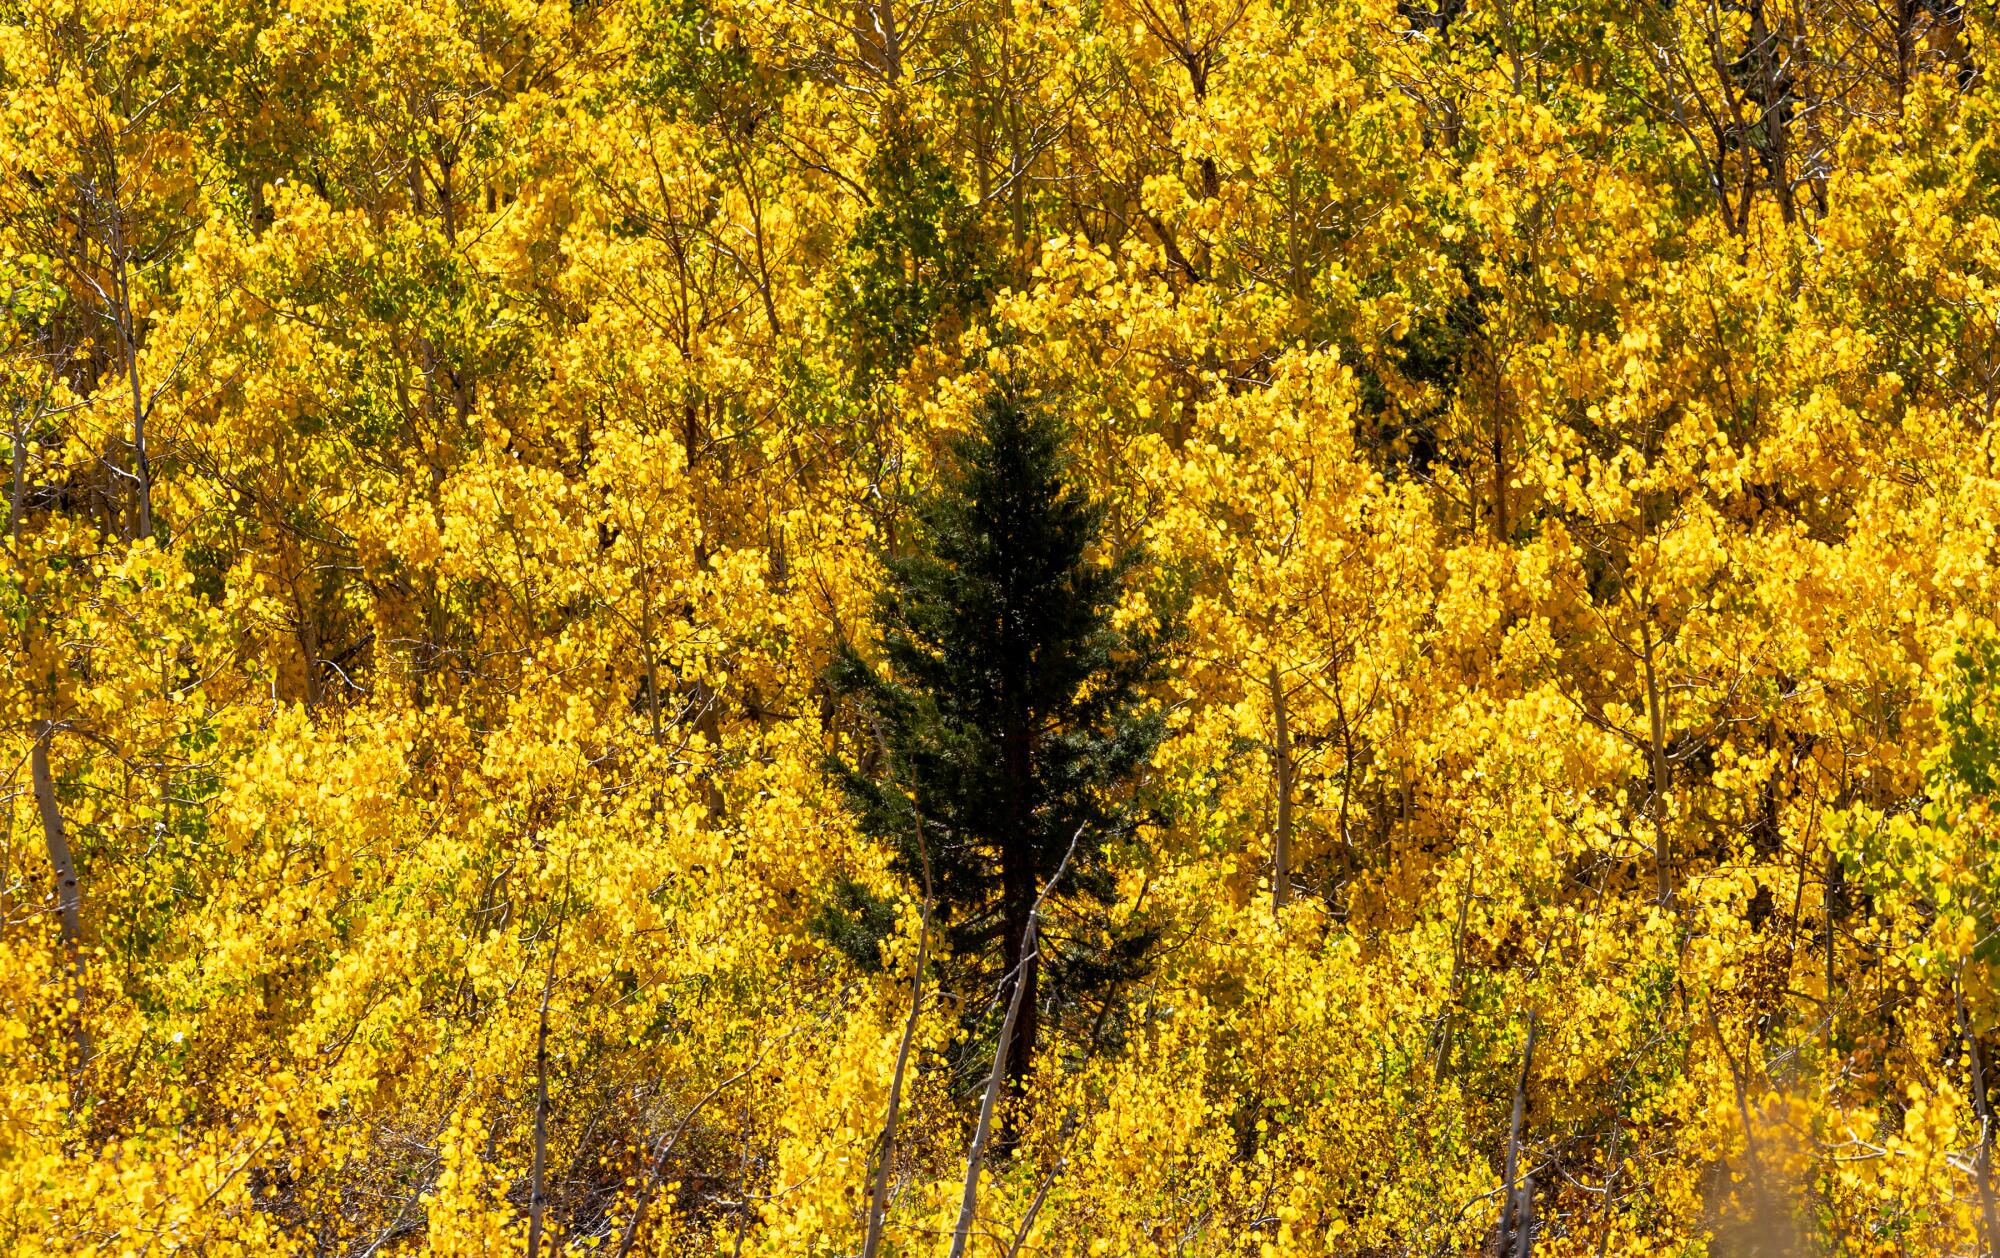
pixel 1016 713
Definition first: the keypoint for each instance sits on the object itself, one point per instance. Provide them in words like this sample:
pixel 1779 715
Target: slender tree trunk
pixel 1989 1217
pixel 877 39
pixel 878 1193
pixel 975 1153
pixel 1904 26
pixel 538 1199
pixel 1294 257
pixel 69 895
pixel 538 1174
pixel 1656 799
pixel 757 237
pixel 1017 171
pixel 69 898
pixel 646 644
pixel 1773 105
pixel 878 1189
pixel 1499 445
pixel 1524 1220
pixel 1826 910
pixel 1020 903
pixel 742 1187
pixel 128 332
pixel 708 722
pixel 1509 1218
pixel 975 1156
pixel 17 496
pixel 1281 855
pixel 1022 993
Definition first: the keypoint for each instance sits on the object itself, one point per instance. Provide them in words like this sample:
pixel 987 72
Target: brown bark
pixel 1656 798
pixel 1021 904
pixel 69 894
pixel 975 1157
pixel 1022 989
pixel 975 1154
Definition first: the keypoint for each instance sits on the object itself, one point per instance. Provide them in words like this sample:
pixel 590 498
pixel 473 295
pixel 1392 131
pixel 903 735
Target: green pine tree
pixel 1015 713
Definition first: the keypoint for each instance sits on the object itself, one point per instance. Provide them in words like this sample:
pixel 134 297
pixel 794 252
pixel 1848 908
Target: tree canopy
pixel 1471 525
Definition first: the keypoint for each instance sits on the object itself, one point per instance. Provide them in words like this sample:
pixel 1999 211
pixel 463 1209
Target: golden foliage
pixel 450 439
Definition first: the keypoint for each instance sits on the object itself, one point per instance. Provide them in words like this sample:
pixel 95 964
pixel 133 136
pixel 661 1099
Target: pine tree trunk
pixel 1024 970
pixel 1019 861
